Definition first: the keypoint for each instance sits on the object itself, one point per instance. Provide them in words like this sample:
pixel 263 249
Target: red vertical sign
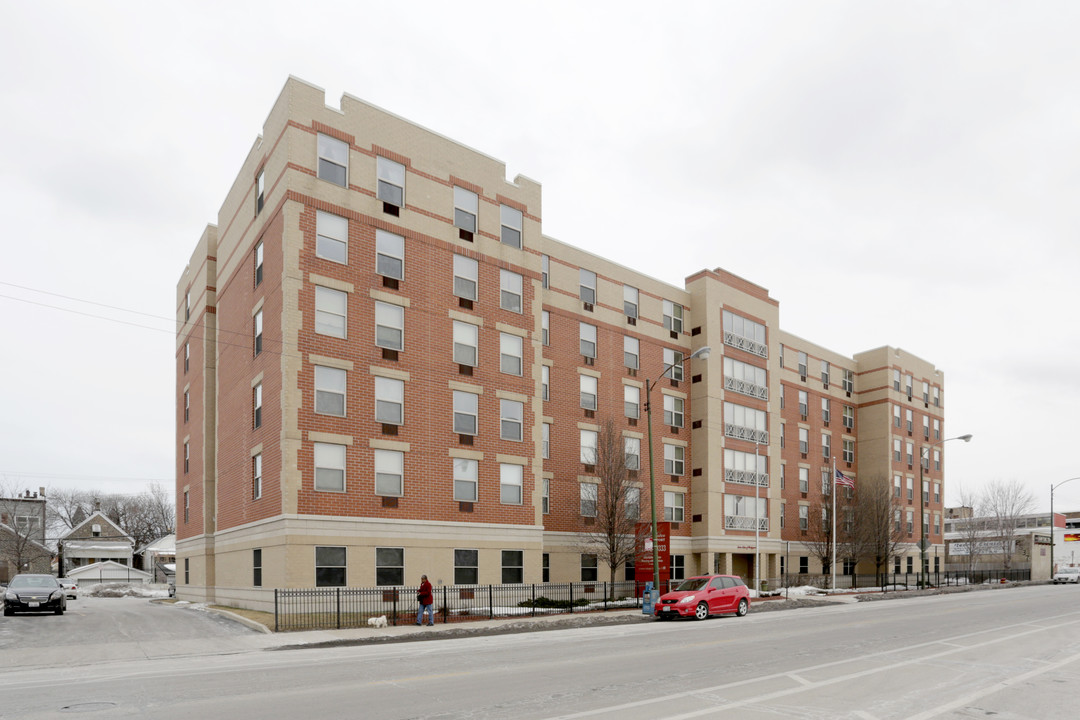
pixel 643 567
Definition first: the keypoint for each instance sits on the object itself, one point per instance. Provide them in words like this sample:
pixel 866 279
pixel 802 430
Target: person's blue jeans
pixel 429 609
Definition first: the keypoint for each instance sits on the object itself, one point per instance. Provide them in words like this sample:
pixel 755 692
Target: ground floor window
pixel 804 565
pixel 628 571
pixel 849 567
pixel 329 566
pixel 513 566
pixel 678 567
pixel 896 565
pixel 910 565
pixel 389 566
pixel 466 567
pixel 546 575
pixel 588 567
pixel 256 567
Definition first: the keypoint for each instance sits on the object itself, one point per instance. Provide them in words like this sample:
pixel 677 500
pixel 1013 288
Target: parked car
pixel 71 589
pixel 703 596
pixel 1067 575
pixel 34 593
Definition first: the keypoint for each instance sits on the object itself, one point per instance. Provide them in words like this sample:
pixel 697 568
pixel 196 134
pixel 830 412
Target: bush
pixel 543 602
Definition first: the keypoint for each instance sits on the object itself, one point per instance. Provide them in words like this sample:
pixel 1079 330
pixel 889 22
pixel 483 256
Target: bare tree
pixel 1006 502
pixel 972 529
pixel 819 535
pixel 618 501
pixel 880 533
pixel 145 516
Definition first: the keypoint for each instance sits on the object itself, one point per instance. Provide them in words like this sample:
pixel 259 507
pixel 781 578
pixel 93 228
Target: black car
pixel 34 593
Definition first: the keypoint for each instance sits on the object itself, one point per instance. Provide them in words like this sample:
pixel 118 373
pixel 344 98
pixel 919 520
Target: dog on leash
pixel 377 622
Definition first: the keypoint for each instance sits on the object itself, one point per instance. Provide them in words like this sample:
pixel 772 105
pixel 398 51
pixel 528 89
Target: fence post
pixel 491 602
pixel 605 596
pixel 337 606
pixel 571 598
pixel 276 627
pixel 445 609
pixel 393 603
pixel 534 599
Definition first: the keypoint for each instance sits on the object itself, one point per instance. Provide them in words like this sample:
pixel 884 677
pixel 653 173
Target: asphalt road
pixel 1006 653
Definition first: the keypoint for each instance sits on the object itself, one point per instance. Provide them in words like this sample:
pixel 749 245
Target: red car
pixel 703 596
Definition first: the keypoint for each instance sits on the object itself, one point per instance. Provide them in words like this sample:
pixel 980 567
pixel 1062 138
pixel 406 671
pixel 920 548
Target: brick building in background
pixel 385 368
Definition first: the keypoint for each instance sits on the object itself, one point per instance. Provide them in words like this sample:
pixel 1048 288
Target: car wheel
pixel 59 611
pixel 744 607
pixel 701 611
pixel 8 612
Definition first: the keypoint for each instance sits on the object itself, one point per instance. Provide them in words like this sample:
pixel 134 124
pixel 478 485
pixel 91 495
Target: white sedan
pixel 1067 575
pixel 71 589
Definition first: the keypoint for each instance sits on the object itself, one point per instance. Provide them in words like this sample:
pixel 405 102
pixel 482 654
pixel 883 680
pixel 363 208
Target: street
pixel 1010 652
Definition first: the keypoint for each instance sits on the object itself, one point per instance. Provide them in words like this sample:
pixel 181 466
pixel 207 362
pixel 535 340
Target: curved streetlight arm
pixel 924 454
pixel 1052 489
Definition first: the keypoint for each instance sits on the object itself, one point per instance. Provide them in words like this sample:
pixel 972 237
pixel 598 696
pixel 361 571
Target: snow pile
pixel 118 589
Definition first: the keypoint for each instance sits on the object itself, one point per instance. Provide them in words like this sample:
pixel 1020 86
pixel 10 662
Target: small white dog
pixel 377 622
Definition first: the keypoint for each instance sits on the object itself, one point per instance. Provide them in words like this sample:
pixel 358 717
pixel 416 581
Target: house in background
pixel 159 558
pixel 22 535
pixel 108 571
pixel 95 539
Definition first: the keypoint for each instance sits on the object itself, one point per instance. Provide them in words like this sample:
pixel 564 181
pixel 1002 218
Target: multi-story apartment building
pixel 385 368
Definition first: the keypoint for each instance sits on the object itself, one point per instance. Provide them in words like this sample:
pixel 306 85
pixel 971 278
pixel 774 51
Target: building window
pixel 910 489
pixel 673 459
pixel 673 411
pixel 849 417
pixel 630 301
pixel 825 410
pixel 937 429
pixel 673 360
pixel 825 373
pixel 588 499
pixel 589 567
pixel 187 357
pixel 588 447
pixel 673 316
pixel 545 382
pixel 545 500
pixel 804 480
pixel 329 467
pixel 466 209
pixel 466 277
pixel 389 473
pixel 512 418
pixel 632 453
pixel 389 566
pixel 389 255
pixel 632 503
pixel 187 406
pixel 513 567
pixel 510 219
pixel 187 305
pixel 510 350
pixel 391 177
pixel 256 476
pixel 466 565
pixel 545 271
pixel 257 331
pixel 510 483
pixel 678 567
pixel 632 401
pixel 896 486
pixel 896 380
pixel 926 426
pixel 466 410
pixel 745 334
pixel 466 340
pixel 802 364
pixel 332 237
pixel 260 191
pixel 256 567
pixel 329 566
pixel 631 352
pixel 331 308
pixel 187 458
pixel 910 451
pixel 804 404
pixel 746 379
pixel 804 564
pixel 510 291
pixel 187 570
pixel 466 477
pixel 848 381
pixel 909 421
pixel 389 401
pixel 674 506
pixel 587 286
pixel 545 441
pixel 330 386
pixel 804 519
pixel 849 451
pixel 258 264
pixel 587 337
pixel 389 326
pixel 187 504
pixel 588 391
pixel 896 449
pixel 333 160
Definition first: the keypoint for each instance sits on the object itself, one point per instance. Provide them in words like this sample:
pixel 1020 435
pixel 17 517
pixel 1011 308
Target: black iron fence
pixel 343 607
pixel 901 581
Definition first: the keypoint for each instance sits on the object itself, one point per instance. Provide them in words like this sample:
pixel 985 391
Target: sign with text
pixel 643 567
pixel 1072 537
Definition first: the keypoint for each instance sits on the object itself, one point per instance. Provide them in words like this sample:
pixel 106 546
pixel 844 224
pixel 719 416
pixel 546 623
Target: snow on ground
pixel 121 589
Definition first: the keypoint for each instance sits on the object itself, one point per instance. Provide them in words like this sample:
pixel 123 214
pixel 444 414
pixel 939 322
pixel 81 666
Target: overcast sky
pixel 897 174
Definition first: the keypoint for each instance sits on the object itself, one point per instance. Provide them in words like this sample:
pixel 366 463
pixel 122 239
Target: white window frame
pixel 511 419
pixel 631 352
pixel 511 483
pixel 674 459
pixel 256 476
pixel 511 291
pixel 389 400
pixel 511 349
pixel 674 409
pixel 511 232
pixel 466 277
pixel 589 499
pixel 466 340
pixel 587 286
pixel 630 301
pixel 545 498
pixel 673 360
pixel 632 452
pixel 632 401
pixel 466 473
pixel 545 328
pixel 331 388
pixel 332 237
pixel 674 506
pixel 545 382
pixel 331 312
pixel 389 467
pixel 588 442
pixel 587 339
pixel 673 316
pixel 466 412
pixel 335 153
pixel 386 315
pixel 588 386
pixel 466 209
pixel 390 176
pixel 389 254
pixel 330 459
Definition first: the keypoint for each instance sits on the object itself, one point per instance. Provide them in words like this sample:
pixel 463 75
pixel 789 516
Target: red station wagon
pixel 703 596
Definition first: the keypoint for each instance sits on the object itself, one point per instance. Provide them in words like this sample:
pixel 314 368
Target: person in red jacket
pixel 426 601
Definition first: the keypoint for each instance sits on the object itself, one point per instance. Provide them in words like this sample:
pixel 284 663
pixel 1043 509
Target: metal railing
pixel 344 607
pixel 949 578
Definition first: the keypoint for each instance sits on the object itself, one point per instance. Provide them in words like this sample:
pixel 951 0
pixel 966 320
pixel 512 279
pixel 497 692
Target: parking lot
pixel 95 629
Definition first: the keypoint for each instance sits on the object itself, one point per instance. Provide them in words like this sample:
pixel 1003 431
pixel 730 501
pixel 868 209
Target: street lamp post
pixel 702 352
pixel 1052 489
pixel 924 459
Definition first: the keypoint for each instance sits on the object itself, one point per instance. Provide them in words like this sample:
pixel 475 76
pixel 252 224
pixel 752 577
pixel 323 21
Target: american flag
pixel 842 479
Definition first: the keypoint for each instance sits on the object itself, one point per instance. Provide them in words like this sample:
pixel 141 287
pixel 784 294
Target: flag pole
pixel 832 488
